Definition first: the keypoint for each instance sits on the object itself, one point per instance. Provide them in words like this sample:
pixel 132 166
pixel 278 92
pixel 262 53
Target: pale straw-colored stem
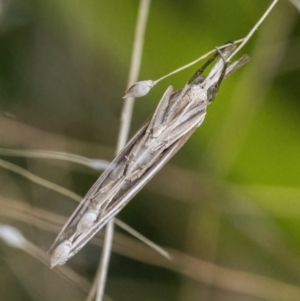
pixel 255 27
pixel 204 56
pixel 296 3
pixel 38 180
pixel 15 239
pixel 242 41
pixel 47 184
pixel 134 71
pixel 124 130
pixel 104 262
pixel 144 239
pixel 96 164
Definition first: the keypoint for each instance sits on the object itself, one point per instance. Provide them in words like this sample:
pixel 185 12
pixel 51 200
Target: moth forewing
pixel 129 194
pixel 63 242
pixel 177 116
pixel 71 224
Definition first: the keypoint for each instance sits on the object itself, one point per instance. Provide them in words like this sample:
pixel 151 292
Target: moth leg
pixel 184 114
pixel 103 209
pixel 158 123
pixel 196 78
pixel 138 173
pixel 203 67
pixel 108 186
pixel 192 121
pixel 196 118
pixel 177 134
pixel 159 113
pixel 130 162
pixel 153 130
pixel 198 73
pixel 173 108
pixel 212 91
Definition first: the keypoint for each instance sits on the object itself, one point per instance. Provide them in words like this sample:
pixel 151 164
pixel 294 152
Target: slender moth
pixel 176 117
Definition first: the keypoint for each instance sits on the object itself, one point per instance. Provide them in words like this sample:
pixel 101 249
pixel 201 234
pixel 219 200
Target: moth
pixel 177 116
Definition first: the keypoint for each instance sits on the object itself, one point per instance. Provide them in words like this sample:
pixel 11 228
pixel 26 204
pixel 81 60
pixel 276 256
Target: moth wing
pixel 138 184
pixel 70 225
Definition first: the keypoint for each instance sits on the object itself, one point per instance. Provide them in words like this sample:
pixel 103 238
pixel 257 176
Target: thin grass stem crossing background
pixel 225 210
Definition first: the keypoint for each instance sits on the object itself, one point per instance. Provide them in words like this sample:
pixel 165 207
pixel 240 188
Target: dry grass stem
pixel 14 238
pixel 204 56
pixel 124 129
pixel 96 164
pixel 199 270
pixel 87 220
pixel 296 3
pixel 250 34
pixel 45 183
pixel 38 180
pixel 148 151
pixel 268 61
pixel 104 263
pixel 144 239
pixel 134 69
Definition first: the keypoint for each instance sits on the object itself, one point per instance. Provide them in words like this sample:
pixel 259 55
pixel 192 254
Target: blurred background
pixel 227 206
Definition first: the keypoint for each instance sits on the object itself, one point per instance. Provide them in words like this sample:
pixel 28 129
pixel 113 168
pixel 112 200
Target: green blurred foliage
pixel 231 196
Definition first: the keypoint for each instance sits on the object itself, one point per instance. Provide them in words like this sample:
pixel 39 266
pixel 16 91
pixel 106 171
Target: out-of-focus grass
pixel 230 196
